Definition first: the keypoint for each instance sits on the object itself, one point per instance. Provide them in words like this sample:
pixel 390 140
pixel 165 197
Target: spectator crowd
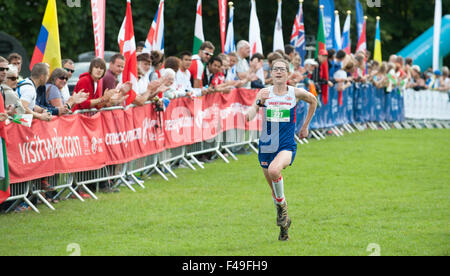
pixel 45 94
pixel 161 79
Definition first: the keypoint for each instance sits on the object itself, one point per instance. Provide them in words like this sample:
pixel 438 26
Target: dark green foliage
pixel 401 22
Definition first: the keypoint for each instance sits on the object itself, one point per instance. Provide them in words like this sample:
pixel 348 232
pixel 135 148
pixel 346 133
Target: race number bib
pixel 278 115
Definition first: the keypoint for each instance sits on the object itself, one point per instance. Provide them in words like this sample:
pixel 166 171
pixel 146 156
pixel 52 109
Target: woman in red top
pixel 88 83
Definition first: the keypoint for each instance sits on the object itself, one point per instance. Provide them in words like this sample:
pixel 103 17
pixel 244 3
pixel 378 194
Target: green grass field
pixel 391 188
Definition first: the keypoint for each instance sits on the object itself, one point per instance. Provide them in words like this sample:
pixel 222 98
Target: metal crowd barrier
pixel 236 138
pixel 204 147
pixel 109 173
pixel 87 112
pixel 26 191
pixel 19 192
pixel 144 165
pixel 171 156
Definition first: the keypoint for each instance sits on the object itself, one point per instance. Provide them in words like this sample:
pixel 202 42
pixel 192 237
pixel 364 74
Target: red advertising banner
pixel 98 22
pixel 77 143
pixel 223 22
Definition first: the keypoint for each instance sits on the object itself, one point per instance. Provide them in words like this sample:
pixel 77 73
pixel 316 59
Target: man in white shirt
pixel 144 63
pixel 27 91
pixel 183 76
pixel 69 66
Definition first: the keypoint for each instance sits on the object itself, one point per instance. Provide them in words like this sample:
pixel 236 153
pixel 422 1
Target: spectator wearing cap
pixel 436 84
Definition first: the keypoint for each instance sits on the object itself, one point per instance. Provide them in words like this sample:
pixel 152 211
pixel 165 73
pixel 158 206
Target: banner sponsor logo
pixel 79 143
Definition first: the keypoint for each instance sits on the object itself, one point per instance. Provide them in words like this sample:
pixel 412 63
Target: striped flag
pixel 199 38
pixel 47 48
pixel 278 41
pixel 377 50
pixel 346 42
pixel 254 32
pixel 298 33
pixel 230 44
pixel 360 27
pixel 4 171
pixel 127 44
pixel 337 32
pixel 155 37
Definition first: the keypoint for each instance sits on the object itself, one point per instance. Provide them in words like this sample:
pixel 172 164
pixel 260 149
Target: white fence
pixel 426 105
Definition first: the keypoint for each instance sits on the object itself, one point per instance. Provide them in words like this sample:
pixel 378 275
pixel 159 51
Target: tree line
pixel 401 22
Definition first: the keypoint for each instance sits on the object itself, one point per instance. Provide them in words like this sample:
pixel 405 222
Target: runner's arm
pixel 262 95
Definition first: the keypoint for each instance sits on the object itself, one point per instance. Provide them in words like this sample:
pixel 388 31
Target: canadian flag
pixel 127 45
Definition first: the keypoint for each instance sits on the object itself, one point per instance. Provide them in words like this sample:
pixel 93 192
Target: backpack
pixel 20 84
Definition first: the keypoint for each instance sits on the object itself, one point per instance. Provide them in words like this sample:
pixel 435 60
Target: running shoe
pixel 282 214
pixel 284 231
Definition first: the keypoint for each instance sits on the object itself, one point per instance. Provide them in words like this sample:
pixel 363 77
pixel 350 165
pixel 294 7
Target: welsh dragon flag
pixel 199 38
pixel 24 119
pixel 4 171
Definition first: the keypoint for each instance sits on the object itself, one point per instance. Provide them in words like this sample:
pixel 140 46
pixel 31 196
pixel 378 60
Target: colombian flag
pixel 47 47
pixel 377 51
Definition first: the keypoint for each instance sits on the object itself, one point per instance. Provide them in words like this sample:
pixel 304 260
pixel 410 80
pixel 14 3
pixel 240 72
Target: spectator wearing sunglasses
pixel 11 99
pixel 199 60
pixel 69 66
pixel 52 98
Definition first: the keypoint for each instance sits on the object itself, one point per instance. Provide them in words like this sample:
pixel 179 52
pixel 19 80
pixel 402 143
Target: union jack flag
pixel 298 33
pixel 155 38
